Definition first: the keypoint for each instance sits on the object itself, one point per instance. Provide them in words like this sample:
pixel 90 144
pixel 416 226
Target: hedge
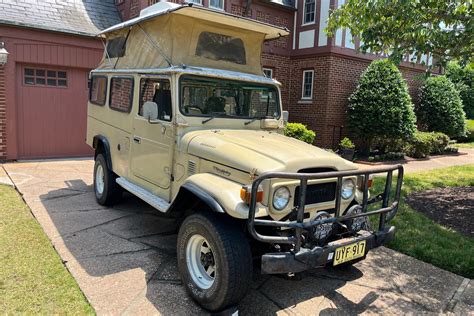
pixel 299 131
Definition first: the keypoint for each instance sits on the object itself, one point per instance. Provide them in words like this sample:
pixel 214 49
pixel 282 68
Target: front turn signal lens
pixel 246 193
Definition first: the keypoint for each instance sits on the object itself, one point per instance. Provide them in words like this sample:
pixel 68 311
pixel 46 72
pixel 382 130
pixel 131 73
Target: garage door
pixel 52 112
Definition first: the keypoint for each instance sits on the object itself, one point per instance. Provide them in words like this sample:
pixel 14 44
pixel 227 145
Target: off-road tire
pixel 112 192
pixel 233 260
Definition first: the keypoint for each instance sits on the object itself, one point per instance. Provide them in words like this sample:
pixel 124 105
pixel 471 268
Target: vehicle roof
pixel 198 71
pixel 163 8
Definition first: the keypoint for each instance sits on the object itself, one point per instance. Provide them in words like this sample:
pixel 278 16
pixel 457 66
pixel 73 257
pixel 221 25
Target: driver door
pixel 152 142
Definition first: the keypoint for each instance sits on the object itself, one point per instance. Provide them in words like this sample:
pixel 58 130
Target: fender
pixel 103 140
pixel 219 194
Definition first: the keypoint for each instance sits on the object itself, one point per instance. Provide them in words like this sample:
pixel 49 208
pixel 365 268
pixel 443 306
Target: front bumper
pixel 301 257
pixel 305 259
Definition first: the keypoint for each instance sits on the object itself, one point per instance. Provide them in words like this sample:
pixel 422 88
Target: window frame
pixel 217 8
pixel 186 76
pixel 268 69
pixel 45 77
pixel 304 14
pixel 106 88
pixel 140 95
pixel 303 97
pixel 131 94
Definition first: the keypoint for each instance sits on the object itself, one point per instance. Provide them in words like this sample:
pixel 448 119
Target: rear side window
pixel 98 91
pixel 121 94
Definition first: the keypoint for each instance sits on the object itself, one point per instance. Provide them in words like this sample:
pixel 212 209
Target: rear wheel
pixel 107 191
pixel 214 261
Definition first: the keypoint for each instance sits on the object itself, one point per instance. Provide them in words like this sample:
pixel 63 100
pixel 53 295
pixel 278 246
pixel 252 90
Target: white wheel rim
pixel 200 261
pixel 99 180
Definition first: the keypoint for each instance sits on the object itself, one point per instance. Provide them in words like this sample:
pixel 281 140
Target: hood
pixel 264 151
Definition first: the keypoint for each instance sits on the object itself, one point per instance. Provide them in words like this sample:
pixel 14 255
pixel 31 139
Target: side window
pixel 158 91
pixel 98 90
pixel 268 72
pixel 121 94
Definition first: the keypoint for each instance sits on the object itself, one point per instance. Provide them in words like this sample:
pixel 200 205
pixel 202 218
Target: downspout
pixel 294 24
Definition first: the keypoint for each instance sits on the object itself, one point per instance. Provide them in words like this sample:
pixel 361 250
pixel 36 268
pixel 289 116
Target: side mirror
pixel 285 114
pixel 150 111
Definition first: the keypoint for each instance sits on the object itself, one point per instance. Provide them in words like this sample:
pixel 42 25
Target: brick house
pixel 43 86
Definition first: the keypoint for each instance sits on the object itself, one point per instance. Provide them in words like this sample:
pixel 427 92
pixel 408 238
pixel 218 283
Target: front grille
pixel 317 193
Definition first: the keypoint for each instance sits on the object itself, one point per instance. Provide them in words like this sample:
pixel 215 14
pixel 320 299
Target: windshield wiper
pixel 257 118
pixel 213 116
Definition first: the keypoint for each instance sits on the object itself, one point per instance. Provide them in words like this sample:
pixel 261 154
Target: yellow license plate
pixel 349 252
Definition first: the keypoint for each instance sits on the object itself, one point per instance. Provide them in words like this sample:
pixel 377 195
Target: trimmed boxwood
pixel 440 108
pixel 381 106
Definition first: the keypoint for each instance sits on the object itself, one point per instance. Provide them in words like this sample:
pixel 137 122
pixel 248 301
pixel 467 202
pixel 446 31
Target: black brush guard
pixel 300 258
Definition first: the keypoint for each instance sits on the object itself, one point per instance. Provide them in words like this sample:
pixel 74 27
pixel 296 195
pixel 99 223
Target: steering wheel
pixel 193 107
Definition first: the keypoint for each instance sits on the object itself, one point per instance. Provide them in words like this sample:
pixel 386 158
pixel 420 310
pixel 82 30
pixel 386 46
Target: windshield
pixel 209 97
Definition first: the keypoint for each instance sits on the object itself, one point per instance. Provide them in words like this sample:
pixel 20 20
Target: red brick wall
pixel 281 72
pixel 3 117
pixel 335 78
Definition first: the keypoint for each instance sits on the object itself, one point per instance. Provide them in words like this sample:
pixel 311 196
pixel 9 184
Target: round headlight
pixel 281 197
pixel 347 189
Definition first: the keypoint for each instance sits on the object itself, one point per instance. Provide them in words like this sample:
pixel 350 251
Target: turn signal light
pixel 246 192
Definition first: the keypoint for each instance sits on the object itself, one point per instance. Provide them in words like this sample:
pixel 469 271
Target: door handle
pixel 137 139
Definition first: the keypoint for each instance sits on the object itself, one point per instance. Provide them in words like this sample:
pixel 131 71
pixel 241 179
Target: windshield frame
pixel 227 116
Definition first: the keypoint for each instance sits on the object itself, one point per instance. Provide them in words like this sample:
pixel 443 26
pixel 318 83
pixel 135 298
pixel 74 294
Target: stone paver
pixel 466 157
pixel 124 260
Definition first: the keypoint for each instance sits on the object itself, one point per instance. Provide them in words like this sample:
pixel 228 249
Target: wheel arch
pixel 191 196
pixel 101 144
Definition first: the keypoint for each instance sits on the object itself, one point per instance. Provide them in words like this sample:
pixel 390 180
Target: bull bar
pixel 300 258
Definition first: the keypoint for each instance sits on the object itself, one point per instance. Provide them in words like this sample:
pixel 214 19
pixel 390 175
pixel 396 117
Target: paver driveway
pixel 125 262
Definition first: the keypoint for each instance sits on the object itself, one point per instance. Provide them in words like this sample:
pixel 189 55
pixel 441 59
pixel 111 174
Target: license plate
pixel 349 252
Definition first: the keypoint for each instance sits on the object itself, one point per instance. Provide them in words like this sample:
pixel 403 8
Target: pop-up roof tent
pixel 168 34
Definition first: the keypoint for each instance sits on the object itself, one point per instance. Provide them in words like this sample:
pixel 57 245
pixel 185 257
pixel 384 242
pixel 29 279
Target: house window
pixel 98 90
pixel 194 1
pixel 121 94
pixel 44 77
pixel 216 4
pixel 309 11
pixel 268 72
pixel 307 89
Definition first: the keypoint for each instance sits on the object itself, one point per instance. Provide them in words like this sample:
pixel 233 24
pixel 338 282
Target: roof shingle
pixel 84 17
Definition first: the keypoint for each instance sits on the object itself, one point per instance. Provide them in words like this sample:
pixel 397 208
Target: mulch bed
pixel 450 207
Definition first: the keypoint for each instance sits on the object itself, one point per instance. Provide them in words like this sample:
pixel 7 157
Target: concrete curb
pixel 4 178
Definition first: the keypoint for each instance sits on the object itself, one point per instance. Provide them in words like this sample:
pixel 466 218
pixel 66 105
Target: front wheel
pixel 107 191
pixel 214 261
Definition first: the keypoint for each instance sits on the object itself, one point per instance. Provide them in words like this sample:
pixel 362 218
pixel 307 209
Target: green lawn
pixel 33 279
pixel 420 237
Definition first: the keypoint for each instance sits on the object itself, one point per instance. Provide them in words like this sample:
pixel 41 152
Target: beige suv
pixel 205 145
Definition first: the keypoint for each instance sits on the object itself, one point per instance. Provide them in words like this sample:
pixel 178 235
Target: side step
pixel 155 201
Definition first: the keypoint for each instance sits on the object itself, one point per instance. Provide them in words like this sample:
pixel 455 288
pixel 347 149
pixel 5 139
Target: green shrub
pixel 463 78
pixel 299 131
pixel 439 143
pixel 420 145
pixel 424 144
pixel 469 137
pixel 381 106
pixel 346 143
pixel 440 108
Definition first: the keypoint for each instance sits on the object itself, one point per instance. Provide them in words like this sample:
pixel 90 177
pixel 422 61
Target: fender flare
pixel 102 139
pixel 199 193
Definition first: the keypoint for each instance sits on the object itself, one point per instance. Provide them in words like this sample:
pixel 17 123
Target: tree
pixel 440 108
pixel 381 107
pixel 463 79
pixel 444 28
